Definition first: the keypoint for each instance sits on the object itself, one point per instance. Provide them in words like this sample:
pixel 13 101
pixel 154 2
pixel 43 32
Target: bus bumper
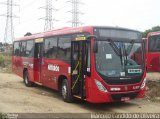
pixel 102 97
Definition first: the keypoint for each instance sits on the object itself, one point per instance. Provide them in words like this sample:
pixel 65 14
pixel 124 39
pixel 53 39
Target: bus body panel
pixel 153 58
pixel 15 65
pixel 21 63
pixel 51 72
pixel 48 71
pixel 99 96
pixel 112 96
pixel 153 62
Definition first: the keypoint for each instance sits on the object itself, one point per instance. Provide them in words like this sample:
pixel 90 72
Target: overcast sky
pixel 134 14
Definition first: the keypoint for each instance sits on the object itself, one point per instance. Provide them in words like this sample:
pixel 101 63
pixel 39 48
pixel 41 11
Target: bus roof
pixel 68 30
pixel 154 33
pixel 120 28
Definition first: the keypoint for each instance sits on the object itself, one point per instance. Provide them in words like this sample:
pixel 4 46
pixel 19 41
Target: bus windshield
pixel 127 61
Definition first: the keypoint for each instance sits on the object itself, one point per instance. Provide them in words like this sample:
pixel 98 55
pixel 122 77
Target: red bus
pixel 96 64
pixel 153 51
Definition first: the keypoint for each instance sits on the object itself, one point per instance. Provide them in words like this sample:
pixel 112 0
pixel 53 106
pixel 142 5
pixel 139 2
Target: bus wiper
pixel 129 48
pixel 128 51
pixel 115 48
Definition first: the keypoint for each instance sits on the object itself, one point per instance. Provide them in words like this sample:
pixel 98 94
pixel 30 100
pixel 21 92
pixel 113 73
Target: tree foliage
pixel 153 29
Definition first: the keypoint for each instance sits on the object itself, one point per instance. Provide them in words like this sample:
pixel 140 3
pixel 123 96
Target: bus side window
pixel 64 48
pixel 158 44
pixel 37 51
pixel 16 48
pixel 30 49
pixel 50 48
pixel 88 57
pixel 154 42
pixel 23 49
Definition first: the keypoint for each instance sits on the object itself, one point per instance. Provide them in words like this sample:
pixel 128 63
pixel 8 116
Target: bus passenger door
pixel 38 61
pixel 78 56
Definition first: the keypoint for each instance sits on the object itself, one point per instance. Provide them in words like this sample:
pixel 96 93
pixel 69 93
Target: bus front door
pixel 78 56
pixel 37 62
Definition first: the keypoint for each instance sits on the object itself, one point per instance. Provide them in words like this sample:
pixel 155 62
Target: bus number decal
pixel 52 67
pixel 134 71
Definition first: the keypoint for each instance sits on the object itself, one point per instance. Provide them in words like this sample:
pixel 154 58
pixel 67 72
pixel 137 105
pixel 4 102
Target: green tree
pixel 153 29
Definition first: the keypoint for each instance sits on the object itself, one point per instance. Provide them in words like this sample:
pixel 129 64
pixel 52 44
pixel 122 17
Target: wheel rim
pixel 64 91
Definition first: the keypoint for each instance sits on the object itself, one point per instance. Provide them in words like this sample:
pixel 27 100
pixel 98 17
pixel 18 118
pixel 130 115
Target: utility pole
pixel 75 13
pixel 49 15
pixel 9 29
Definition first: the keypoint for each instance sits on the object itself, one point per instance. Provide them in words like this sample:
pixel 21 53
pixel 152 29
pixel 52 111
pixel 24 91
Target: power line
pixel 75 13
pixel 27 6
pixel 49 15
pixel 9 29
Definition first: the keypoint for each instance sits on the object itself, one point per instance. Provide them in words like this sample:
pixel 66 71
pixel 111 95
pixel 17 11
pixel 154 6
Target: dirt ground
pixel 153 87
pixel 16 98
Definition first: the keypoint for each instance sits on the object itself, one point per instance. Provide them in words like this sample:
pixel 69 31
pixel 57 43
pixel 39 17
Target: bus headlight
pixel 100 86
pixel 144 83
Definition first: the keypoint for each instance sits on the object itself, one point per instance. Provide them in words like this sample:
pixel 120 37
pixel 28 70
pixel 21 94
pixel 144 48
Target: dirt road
pixel 16 98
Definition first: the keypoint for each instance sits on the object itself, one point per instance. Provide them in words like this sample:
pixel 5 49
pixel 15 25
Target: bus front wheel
pixel 27 82
pixel 66 92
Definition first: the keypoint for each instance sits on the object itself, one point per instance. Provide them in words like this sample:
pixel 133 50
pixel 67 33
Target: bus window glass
pixel 23 49
pixel 154 44
pixel 88 56
pixel 117 33
pixel 109 63
pixel 30 49
pixel 50 48
pixel 16 48
pixel 64 48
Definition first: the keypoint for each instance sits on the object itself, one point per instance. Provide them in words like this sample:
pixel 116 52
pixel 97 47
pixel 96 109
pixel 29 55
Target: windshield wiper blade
pixel 129 48
pixel 116 49
pixel 114 46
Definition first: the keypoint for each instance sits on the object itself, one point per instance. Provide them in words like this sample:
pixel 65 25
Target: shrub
pixel 3 116
pixel 2 61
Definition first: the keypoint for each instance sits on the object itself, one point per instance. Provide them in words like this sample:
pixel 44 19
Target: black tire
pixel 66 92
pixel 27 82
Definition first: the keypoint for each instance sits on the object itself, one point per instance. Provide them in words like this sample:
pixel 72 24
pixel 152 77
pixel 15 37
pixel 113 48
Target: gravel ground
pixel 16 98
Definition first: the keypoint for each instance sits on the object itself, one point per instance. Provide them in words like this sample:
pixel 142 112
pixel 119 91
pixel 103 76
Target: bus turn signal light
pixel 100 86
pixel 144 83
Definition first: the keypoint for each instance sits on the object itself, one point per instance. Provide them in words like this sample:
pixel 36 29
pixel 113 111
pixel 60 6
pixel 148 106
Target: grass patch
pixel 3 116
pixel 2 61
pixel 5 63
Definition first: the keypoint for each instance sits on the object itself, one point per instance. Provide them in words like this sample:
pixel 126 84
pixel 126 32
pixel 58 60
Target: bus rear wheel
pixel 66 92
pixel 27 82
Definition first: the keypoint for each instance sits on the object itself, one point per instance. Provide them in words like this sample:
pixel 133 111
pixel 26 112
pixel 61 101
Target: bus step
pixel 38 83
pixel 77 96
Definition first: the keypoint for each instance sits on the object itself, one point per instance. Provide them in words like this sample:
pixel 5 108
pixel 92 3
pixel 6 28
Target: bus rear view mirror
pixel 95 47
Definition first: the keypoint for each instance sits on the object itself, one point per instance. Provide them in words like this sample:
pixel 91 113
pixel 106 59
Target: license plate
pixel 125 99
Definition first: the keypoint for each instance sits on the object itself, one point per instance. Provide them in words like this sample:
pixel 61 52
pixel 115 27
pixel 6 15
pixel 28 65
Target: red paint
pixel 153 58
pixel 40 73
